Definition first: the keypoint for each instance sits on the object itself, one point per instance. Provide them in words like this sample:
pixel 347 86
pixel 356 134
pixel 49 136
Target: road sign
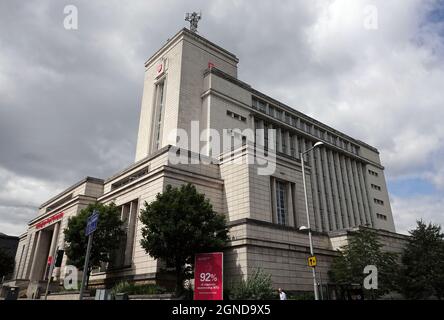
pixel 312 261
pixel 91 224
pixel 51 265
pixel 208 276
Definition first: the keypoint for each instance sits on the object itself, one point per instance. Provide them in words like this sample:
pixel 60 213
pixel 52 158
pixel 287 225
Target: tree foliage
pixel 106 238
pixel 422 273
pixel 257 286
pixel 364 249
pixel 178 224
pixel 6 263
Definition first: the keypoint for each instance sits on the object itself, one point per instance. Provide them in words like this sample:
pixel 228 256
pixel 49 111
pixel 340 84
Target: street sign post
pixel 312 261
pixel 208 276
pixel 91 226
pixel 51 269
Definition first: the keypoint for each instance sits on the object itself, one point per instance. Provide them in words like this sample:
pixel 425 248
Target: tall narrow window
pixel 292 146
pixel 281 198
pixel 261 106
pixel 123 255
pixel 158 115
pixel 278 139
pixel 284 141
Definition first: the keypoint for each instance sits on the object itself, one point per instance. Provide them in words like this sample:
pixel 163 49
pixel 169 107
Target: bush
pixel 301 296
pixel 134 289
pixel 257 287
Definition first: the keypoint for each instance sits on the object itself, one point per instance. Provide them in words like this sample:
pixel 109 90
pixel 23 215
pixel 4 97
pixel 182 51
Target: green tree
pixel 6 263
pixel 422 273
pixel 364 249
pixel 178 224
pixel 257 286
pixel 106 238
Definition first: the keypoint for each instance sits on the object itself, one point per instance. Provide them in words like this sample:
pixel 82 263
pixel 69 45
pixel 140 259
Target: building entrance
pixel 45 246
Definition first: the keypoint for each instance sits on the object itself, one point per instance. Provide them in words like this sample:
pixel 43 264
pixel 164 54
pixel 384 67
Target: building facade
pixel 200 124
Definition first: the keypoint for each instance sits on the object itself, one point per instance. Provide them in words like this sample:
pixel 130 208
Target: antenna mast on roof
pixel 193 18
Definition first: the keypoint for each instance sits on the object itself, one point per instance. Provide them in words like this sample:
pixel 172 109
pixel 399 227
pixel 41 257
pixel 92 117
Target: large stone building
pixel 191 84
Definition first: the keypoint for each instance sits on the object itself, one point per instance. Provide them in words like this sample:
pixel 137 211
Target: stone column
pixel 367 206
pixel 273 200
pixel 359 194
pixel 25 260
pixel 259 137
pixel 296 145
pixel 341 188
pixel 302 145
pixel 287 142
pixel 278 139
pixel 353 192
pixel 294 196
pixel 315 195
pixel 329 191
pixel 290 211
pixel 132 217
pixel 323 198
pixel 35 256
pixel 338 210
pixel 55 237
pixel 54 240
pixel 29 255
pixel 347 188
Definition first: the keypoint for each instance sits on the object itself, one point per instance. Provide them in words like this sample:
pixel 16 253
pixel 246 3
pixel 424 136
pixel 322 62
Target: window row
pixel 134 176
pixel 376 187
pixel 373 173
pixel 236 116
pixel 305 126
pixel 381 216
pixel 285 141
pixel 377 201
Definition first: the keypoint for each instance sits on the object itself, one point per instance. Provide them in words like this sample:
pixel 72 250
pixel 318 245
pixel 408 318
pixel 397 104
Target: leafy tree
pixel 422 273
pixel 6 263
pixel 178 224
pixel 364 249
pixel 257 286
pixel 106 238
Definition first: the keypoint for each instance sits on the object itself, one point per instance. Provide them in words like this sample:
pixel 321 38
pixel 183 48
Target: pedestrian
pixel 282 295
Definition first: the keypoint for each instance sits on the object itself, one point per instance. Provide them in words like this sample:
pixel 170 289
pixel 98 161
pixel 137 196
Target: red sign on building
pixel 208 276
pixel 160 68
pixel 50 220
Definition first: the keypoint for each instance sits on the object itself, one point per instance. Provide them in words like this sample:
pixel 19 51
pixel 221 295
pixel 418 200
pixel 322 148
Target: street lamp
pixel 317 144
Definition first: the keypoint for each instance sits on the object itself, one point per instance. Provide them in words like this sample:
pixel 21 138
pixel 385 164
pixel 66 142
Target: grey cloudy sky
pixel 69 100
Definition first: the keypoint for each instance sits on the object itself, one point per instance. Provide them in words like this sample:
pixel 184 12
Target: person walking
pixel 282 294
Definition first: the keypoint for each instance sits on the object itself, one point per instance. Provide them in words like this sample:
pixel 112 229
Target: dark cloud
pixel 69 100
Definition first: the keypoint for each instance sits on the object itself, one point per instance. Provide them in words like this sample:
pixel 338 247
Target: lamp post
pixel 315 286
